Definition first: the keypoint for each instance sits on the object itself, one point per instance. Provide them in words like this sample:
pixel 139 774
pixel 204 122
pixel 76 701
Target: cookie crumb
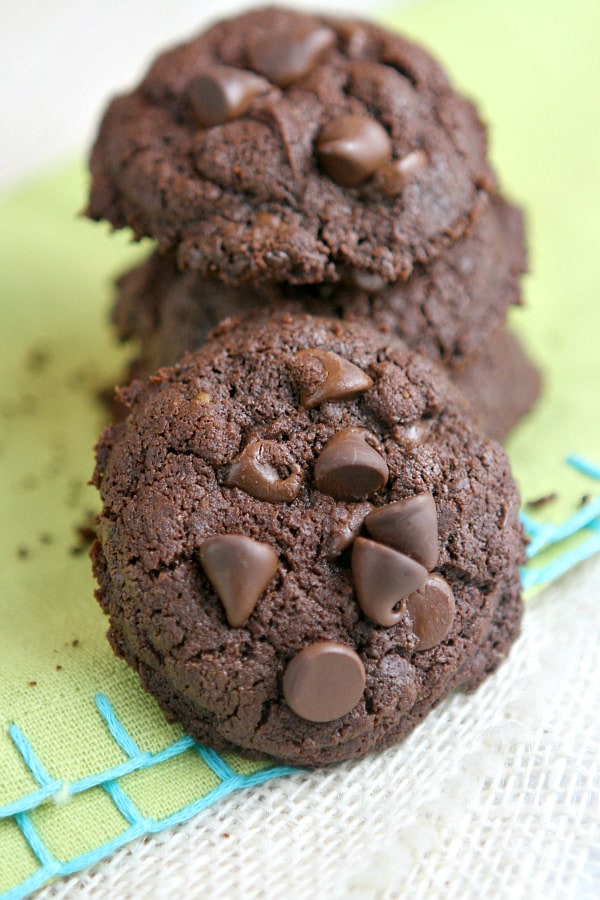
pixel 86 533
pixel 585 499
pixel 541 501
pixel 37 359
pixel 58 668
pixel 32 683
pixel 22 552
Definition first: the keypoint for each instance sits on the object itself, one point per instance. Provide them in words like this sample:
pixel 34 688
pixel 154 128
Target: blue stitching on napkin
pixel 139 825
pixel 545 535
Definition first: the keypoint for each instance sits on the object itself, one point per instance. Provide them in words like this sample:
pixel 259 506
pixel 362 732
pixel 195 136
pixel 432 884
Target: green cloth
pixel 534 68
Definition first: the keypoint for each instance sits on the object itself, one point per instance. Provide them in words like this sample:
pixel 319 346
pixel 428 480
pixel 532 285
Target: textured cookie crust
pixel 450 309
pixel 163 477
pixel 249 199
pixel 446 309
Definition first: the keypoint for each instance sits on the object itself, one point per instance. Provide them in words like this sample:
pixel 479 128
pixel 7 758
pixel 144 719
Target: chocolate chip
pixel 239 569
pixel 350 469
pixel 410 526
pixel 541 501
pixel 253 471
pixel 382 578
pixel 285 58
pixel 341 379
pixel 324 681
pixel 431 609
pixel 351 148
pixel 221 93
pixel 392 178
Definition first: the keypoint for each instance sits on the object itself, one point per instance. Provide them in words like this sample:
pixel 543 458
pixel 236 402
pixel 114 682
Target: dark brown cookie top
pixel 281 146
pixel 302 502
pixel 446 309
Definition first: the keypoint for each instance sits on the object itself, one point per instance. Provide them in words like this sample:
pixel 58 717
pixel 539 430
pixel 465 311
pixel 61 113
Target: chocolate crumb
pixel 22 552
pixel 585 499
pixel 541 501
pixel 32 683
pixel 75 643
pixel 29 483
pixel 37 360
pixel 58 668
pixel 86 533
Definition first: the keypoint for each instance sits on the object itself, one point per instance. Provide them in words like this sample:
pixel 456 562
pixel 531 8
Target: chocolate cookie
pixel 305 544
pixel 446 309
pixel 451 309
pixel 281 146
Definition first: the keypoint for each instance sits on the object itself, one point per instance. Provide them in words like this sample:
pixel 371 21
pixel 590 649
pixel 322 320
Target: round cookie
pixel 281 146
pixel 305 544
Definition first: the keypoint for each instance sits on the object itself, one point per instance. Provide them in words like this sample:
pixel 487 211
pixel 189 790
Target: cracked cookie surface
pixel 450 309
pixel 233 595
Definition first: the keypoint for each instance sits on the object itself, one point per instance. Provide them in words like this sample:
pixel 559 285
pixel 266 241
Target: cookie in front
pixel 305 544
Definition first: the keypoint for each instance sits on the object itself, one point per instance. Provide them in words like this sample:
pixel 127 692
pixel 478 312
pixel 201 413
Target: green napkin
pixel 534 68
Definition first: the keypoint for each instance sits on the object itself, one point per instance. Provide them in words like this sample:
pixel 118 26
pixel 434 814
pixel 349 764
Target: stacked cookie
pixel 283 161
pixel 306 541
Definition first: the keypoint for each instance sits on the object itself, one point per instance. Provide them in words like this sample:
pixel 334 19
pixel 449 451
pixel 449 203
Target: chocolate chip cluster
pixel 350 148
pixel 390 567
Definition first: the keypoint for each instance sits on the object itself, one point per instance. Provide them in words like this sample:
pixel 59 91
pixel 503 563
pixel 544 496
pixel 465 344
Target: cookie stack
pixel 307 540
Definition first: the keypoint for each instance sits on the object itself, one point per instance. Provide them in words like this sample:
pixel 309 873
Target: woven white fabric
pixel 496 795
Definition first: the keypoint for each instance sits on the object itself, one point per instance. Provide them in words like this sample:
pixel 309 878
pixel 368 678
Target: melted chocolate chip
pixel 285 58
pixel 382 578
pixel 253 471
pixel 350 469
pixel 222 93
pixel 408 525
pixel 324 681
pixel 341 379
pixel 351 148
pixel 392 178
pixel 431 609
pixel 239 569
